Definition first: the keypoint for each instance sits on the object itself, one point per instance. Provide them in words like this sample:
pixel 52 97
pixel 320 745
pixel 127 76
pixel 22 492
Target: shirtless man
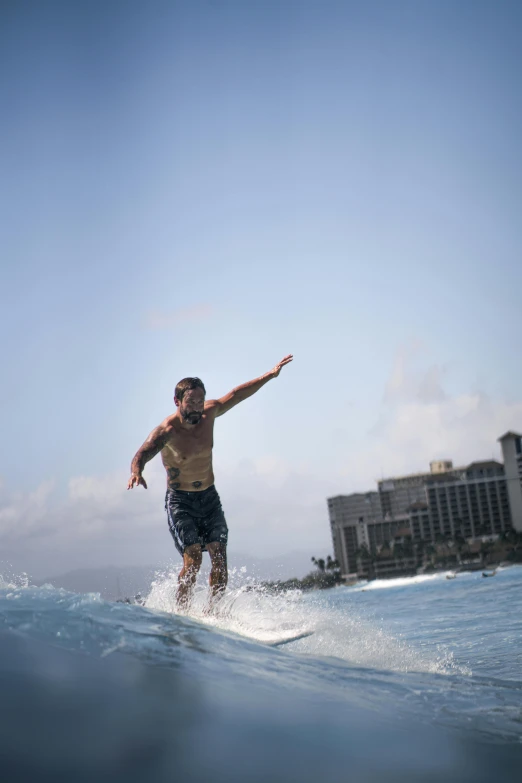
pixel 185 440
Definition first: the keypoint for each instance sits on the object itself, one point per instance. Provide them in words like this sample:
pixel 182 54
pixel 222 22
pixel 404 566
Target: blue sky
pixel 201 188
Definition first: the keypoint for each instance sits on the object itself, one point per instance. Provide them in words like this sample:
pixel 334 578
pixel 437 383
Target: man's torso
pixel 187 455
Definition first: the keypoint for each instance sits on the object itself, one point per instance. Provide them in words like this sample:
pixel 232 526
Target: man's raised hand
pixel 136 480
pixel 277 368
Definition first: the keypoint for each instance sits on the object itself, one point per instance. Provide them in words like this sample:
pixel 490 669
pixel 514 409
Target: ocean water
pixel 401 680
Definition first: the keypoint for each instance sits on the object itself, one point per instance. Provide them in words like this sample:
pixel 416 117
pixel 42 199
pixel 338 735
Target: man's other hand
pixel 136 480
pixel 277 368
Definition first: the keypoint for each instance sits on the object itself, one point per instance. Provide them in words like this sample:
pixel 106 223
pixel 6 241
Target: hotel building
pixel 478 500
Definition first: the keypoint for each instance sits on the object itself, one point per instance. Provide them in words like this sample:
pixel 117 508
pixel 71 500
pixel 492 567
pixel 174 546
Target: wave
pixel 86 622
pixel 404 581
pixel 255 612
pixel 212 683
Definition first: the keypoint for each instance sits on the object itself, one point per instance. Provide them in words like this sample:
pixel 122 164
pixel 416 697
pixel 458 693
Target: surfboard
pixel 270 638
pixel 288 638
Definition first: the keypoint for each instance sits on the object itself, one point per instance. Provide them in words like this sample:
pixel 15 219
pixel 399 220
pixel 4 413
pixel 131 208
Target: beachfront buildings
pixel 482 499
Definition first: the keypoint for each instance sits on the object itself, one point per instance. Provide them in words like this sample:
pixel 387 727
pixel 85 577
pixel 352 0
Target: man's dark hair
pixel 187 384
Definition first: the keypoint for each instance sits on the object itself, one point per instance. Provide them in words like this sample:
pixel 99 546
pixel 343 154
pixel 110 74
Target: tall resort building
pixel 476 500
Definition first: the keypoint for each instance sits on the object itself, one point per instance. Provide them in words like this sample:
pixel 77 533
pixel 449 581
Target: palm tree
pixel 430 552
pixel 367 557
pixel 484 550
pixel 398 551
pixel 419 549
pixel 460 541
pixel 320 564
pixel 408 546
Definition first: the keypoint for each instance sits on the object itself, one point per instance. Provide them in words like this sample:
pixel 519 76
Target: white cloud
pixel 272 506
pixel 420 422
pixel 22 515
pixel 408 379
pixel 270 509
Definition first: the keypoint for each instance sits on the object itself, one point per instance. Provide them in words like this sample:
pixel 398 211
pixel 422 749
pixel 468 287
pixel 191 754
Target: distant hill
pixel 114 582
pixel 111 582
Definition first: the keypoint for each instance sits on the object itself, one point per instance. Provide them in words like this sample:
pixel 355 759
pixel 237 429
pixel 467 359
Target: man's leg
pixel 187 578
pixel 219 573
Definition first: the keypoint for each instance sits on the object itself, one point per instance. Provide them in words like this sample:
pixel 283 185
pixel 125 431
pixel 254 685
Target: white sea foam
pixel 255 612
pixel 404 581
pixel 14 581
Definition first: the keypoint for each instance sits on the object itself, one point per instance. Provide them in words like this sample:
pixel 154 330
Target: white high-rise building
pixel 476 500
pixel 511 444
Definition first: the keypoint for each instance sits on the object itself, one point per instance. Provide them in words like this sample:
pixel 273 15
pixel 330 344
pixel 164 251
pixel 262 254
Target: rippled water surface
pixel 401 680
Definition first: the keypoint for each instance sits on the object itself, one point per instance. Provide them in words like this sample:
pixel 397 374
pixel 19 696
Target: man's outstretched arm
pixel 246 390
pixel 152 446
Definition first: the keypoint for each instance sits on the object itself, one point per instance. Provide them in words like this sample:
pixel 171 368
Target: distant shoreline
pixel 319 581
pixel 460 569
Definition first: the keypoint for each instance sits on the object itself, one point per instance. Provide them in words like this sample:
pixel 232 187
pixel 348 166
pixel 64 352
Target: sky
pixel 200 188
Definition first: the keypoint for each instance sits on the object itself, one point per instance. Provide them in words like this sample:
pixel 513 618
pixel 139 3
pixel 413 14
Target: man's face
pixel 191 406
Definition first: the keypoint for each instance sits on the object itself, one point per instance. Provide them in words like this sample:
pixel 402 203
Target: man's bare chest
pixel 185 447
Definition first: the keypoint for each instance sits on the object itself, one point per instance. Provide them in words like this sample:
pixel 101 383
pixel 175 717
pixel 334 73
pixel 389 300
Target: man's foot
pixel 214 606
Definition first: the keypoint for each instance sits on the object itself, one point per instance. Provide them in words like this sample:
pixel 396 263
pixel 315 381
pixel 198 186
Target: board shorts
pixel 195 518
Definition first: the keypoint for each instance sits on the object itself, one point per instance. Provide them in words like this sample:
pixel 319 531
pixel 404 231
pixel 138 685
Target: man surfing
pixel 185 440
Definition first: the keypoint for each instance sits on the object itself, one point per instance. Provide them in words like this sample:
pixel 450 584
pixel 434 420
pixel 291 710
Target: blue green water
pixel 403 680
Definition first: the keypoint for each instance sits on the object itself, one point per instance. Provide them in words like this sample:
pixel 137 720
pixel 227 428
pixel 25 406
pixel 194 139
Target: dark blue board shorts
pixel 195 518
